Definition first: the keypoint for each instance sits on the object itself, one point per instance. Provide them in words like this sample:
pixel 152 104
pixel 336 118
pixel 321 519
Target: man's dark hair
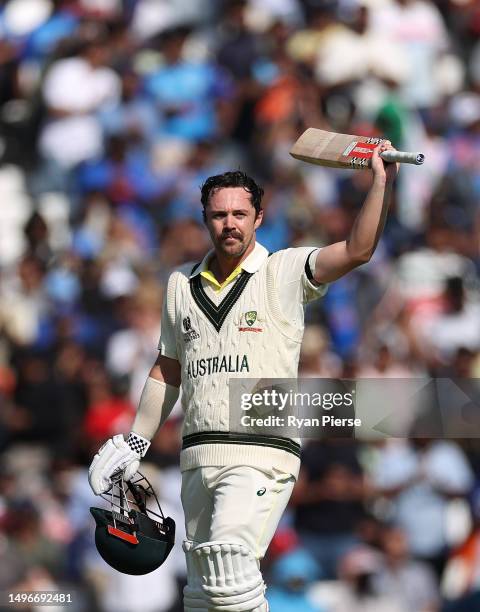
pixel 236 178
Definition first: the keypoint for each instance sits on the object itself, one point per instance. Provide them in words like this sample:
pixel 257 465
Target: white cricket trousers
pixel 237 504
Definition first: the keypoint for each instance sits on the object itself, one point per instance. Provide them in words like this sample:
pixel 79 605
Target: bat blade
pixel 345 150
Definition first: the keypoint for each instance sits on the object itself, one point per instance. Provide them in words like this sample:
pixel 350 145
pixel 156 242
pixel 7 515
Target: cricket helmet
pixel 130 537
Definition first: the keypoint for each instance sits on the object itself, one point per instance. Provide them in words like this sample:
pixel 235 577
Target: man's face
pixel 230 219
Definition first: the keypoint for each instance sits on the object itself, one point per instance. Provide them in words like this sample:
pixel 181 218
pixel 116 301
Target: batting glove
pixel 116 455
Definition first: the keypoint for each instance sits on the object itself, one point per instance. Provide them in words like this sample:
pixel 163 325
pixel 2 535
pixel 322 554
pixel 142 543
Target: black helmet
pixel 130 537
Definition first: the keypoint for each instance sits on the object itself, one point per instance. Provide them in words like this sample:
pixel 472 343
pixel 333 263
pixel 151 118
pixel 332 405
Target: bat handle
pixel 404 157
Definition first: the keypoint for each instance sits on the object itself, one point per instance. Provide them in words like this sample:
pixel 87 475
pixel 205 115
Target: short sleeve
pixel 311 289
pixel 294 272
pixel 168 344
pixel 294 280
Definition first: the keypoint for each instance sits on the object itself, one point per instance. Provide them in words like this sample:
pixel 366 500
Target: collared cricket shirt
pixel 251 326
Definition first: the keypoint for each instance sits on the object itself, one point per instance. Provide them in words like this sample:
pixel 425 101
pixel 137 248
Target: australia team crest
pixel 250 318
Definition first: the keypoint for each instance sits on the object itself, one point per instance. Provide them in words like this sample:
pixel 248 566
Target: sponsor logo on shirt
pixel 190 334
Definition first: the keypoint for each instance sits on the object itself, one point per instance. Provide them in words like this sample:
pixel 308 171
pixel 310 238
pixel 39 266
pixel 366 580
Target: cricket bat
pixel 345 150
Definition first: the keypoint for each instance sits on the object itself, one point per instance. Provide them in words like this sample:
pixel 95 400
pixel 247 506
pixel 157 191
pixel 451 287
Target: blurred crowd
pixel 112 113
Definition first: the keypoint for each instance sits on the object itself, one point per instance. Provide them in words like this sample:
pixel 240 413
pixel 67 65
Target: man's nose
pixel 229 222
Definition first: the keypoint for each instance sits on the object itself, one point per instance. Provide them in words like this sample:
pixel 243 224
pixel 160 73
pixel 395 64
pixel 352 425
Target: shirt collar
pixel 251 264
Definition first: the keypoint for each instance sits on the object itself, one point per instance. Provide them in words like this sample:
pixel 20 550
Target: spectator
pixel 328 501
pixel 421 477
pixel 27 543
pixel 454 328
pixel 418 26
pixel 316 360
pixel 108 410
pixel 384 366
pixel 410 582
pixel 130 351
pixel 189 95
pixel 291 575
pixel 23 302
pixel 75 90
pixel 357 593
pixel 460 582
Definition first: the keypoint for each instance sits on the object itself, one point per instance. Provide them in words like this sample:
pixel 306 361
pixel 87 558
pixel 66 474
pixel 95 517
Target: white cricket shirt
pixel 252 328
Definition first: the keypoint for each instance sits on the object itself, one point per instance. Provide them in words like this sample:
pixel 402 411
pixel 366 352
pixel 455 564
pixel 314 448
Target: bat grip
pixel 403 156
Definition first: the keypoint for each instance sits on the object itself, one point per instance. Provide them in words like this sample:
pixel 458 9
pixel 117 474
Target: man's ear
pixel 259 219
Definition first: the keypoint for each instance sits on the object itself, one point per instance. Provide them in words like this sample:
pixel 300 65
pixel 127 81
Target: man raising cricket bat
pixel 235 487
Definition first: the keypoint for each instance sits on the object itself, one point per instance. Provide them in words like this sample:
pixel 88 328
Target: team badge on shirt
pixel 190 334
pixel 250 317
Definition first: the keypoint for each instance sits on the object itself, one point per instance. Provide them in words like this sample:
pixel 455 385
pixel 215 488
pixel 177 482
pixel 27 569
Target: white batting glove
pixel 116 455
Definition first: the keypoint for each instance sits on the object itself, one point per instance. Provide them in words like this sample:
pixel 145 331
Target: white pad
pixel 115 455
pixel 194 600
pixel 223 576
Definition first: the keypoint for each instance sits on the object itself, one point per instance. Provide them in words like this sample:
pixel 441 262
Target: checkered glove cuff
pixel 138 444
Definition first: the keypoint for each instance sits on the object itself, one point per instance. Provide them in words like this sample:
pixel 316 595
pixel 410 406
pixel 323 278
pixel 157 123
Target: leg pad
pixel 224 576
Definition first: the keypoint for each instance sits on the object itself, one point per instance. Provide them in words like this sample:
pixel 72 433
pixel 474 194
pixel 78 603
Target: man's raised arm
pixel 337 259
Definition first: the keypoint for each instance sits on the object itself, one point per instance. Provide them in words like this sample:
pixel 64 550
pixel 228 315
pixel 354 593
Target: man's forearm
pixel 335 260
pixel 156 403
pixel 370 221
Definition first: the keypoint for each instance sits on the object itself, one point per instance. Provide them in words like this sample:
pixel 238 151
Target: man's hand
pixel 335 260
pixel 380 168
pixel 114 456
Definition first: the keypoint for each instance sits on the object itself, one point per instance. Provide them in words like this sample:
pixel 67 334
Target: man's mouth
pixel 228 239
